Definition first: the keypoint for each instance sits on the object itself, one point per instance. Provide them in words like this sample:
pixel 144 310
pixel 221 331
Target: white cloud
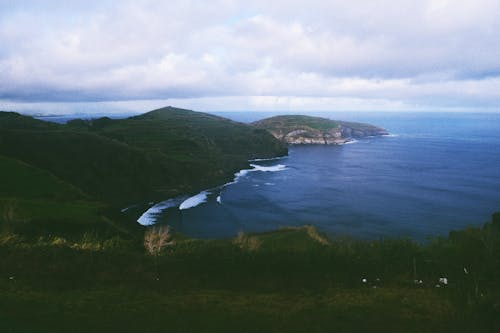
pixel 262 54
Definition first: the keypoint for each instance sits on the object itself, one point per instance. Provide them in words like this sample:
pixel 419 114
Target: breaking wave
pixel 268 159
pixel 194 200
pixel 149 216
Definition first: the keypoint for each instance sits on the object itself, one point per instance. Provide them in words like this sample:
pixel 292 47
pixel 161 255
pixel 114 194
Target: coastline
pixel 185 201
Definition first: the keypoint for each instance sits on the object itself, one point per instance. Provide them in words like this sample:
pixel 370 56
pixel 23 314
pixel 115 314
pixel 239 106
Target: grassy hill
pixel 292 122
pixel 153 156
pixel 291 280
pixel 298 129
pixel 69 177
pixel 33 201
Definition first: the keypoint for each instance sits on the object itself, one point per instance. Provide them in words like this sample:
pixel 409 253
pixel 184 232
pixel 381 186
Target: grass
pixel 291 280
pixel 296 122
pixel 297 129
pixel 19 179
pixel 228 311
pixel 34 201
pixel 290 123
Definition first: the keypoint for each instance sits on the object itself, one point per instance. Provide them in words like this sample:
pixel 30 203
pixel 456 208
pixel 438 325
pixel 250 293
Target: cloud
pixel 262 54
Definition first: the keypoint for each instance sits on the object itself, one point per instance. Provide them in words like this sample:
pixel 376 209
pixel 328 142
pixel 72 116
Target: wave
pixel 273 168
pixel 391 135
pixel 255 167
pixel 149 217
pixel 350 142
pixel 195 200
pixel 268 159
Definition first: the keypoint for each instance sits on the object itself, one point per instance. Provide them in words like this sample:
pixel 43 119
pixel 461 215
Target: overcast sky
pixel 74 56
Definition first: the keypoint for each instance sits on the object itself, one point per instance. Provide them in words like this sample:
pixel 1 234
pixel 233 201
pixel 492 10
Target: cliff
pixel 316 130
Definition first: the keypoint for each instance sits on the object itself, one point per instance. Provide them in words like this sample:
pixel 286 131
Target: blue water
pixel 438 172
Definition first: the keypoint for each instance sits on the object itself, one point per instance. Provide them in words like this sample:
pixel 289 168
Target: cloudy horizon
pixel 222 55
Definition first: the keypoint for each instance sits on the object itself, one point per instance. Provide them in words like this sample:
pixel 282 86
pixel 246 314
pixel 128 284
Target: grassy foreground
pixel 291 280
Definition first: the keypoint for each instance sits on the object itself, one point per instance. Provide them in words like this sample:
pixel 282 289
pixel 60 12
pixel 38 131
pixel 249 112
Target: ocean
pixel 435 173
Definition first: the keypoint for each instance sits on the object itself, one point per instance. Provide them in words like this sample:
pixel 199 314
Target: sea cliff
pixel 315 130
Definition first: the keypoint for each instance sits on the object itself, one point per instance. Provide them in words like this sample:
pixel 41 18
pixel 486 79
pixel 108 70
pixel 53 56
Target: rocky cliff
pixel 315 130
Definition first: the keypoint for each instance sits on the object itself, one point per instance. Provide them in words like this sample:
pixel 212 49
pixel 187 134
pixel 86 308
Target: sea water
pixel 436 172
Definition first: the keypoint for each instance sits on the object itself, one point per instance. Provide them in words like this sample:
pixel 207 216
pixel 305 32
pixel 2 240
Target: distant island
pixel 298 129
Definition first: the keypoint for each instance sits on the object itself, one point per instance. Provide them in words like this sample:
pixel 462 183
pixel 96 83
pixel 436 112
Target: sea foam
pixel 273 168
pixel 256 167
pixel 149 216
pixel 194 200
pixel 268 159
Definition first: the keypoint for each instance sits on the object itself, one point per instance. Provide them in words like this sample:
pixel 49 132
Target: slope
pixel 33 200
pixel 154 156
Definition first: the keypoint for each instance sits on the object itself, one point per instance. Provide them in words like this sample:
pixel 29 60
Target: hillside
pixel 154 156
pixel 296 129
pixel 291 280
pixel 34 201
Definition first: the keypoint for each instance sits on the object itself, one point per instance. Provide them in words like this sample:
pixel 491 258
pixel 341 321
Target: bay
pixel 435 173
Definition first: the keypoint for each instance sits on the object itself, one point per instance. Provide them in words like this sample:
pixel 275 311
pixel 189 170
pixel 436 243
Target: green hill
pixel 154 156
pixel 33 200
pixel 298 129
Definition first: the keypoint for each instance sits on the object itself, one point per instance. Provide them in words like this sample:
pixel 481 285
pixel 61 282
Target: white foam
pixel 269 184
pixel 255 167
pixel 195 200
pixel 268 159
pixel 350 142
pixel 391 135
pixel 149 216
pixel 273 168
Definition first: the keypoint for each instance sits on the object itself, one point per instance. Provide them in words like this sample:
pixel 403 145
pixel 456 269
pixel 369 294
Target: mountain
pixel 118 162
pixel 295 129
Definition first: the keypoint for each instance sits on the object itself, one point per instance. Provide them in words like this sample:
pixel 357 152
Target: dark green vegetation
pixel 150 157
pixel 294 122
pixel 292 280
pixel 298 121
pixel 34 201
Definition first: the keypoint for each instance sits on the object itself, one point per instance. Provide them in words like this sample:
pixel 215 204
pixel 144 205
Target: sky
pixel 224 55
